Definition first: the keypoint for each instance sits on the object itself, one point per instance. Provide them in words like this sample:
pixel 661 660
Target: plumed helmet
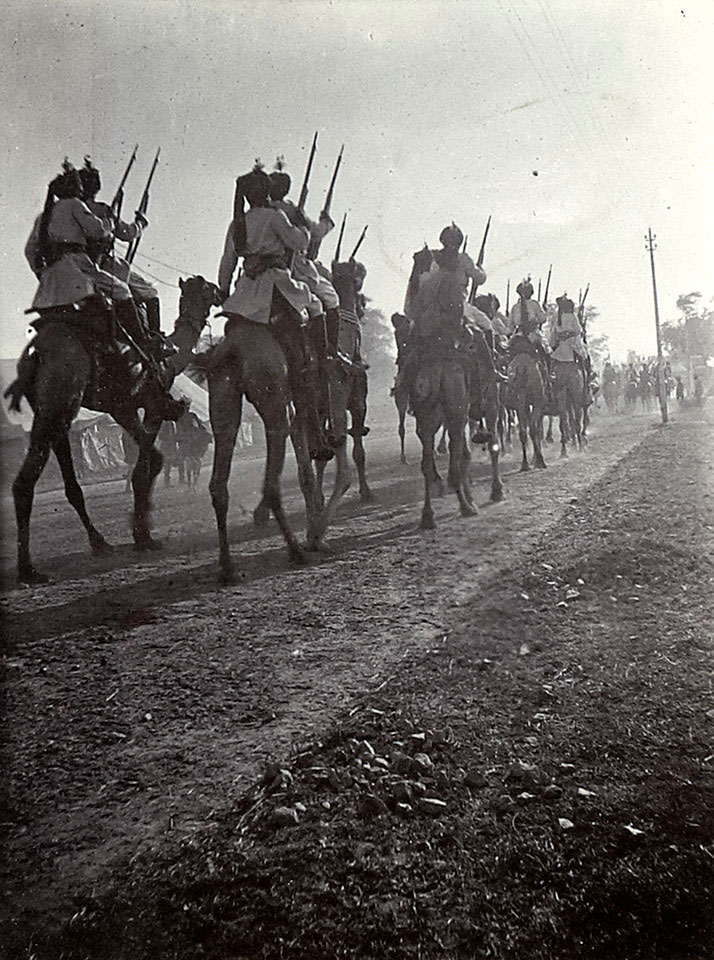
pixel 451 237
pixel 255 186
pixel 89 175
pixel 484 303
pixel 68 183
pixel 525 289
pixel 280 181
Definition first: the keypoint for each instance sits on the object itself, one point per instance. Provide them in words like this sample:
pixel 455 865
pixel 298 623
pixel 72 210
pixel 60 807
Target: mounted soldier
pixel 58 251
pixel 304 267
pixel 102 252
pixel 266 293
pixel 566 338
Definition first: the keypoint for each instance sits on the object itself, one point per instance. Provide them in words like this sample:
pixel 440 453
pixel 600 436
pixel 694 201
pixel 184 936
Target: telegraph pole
pixel 651 247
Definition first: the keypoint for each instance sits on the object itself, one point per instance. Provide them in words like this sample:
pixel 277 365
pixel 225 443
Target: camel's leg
pixel 73 492
pixel 358 415
pixel 459 459
pixel 402 434
pixel 493 422
pixel 441 449
pixel 563 423
pixel 277 428
pixel 536 432
pixel 523 417
pixel 427 427
pixel 225 406
pixel 549 434
pixel 314 513
pixel 148 467
pixel 23 491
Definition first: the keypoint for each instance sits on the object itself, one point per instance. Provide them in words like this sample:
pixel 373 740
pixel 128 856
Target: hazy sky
pixel 447 109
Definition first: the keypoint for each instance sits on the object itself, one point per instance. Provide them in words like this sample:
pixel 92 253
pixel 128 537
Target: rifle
pixel 359 244
pixel 143 207
pixel 508 295
pixel 314 247
pixel 547 286
pixel 540 281
pixel 303 190
pixel 336 258
pixel 466 243
pixel 581 312
pixel 479 261
pixel 119 195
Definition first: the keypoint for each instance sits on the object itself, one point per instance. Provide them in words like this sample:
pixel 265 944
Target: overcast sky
pixel 448 110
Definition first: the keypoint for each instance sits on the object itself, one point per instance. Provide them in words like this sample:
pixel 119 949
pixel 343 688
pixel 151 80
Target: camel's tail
pixel 25 374
pixel 15 392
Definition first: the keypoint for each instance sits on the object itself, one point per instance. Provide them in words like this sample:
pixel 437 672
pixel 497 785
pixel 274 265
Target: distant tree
pixel 598 345
pixel 692 334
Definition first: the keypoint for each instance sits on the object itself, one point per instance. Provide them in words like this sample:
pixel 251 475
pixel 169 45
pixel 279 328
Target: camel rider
pixel 304 269
pixel 57 252
pixel 527 317
pixel 265 238
pixel 566 338
pixel 103 253
pixel 440 306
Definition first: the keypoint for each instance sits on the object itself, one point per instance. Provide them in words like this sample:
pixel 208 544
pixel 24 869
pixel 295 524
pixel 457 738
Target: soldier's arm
pixel 228 263
pixel 32 249
pixel 473 271
pixel 294 238
pixel 92 227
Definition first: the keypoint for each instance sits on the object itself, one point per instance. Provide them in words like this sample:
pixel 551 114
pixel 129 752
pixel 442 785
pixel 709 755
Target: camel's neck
pixel 185 336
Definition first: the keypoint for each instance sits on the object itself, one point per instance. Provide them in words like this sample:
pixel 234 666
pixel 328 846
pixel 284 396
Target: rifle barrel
pixel 143 207
pixel 482 251
pixel 303 190
pixel 336 257
pixel 359 243
pixel 331 190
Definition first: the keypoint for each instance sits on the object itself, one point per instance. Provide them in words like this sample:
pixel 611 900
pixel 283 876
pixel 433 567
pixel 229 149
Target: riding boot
pixel 129 320
pixel 335 357
pixel 304 374
pixel 484 359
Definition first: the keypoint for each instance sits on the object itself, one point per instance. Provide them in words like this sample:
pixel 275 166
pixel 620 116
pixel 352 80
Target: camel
pixel 347 391
pixel 250 363
pixel 68 365
pixel 568 389
pixel 526 395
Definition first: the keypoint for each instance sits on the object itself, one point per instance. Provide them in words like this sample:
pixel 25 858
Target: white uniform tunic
pixel 303 268
pixel 566 339
pixel 268 234
pixel 140 287
pixel 73 276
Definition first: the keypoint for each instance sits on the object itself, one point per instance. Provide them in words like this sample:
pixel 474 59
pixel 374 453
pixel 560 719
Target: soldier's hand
pixel 141 220
pixel 327 220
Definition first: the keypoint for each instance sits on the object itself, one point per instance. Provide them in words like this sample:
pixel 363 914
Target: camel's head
pixel 198 295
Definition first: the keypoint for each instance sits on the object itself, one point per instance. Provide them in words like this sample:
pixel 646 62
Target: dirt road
pixel 142 699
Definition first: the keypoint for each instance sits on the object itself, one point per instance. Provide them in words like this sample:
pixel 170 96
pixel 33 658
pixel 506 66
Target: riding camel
pixel 526 394
pixel 568 391
pixel 346 390
pixel 400 390
pixel 73 362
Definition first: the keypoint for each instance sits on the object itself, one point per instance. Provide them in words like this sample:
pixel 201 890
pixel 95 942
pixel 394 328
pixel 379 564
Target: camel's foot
pixel 229 576
pixel 427 521
pixel 100 547
pixel 404 460
pixel 297 555
pixel 319 546
pixel 145 543
pixel 540 463
pixel 439 488
pixel 525 466
pixel 497 494
pixel 366 495
pixel 261 516
pixel 26 573
pixel 549 438
pixel 563 453
pixel 468 510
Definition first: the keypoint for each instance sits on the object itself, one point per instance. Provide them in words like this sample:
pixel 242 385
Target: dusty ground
pixel 143 703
